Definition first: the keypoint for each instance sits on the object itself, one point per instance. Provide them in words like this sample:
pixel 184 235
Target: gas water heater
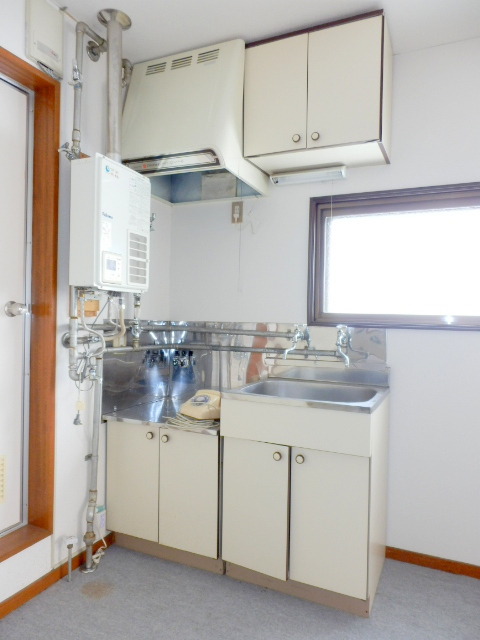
pixel 109 226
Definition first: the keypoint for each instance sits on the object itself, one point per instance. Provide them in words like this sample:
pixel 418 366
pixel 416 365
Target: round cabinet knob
pixel 299 459
pixel 164 438
pixel 277 456
pixel 149 435
pixel 296 137
pixel 315 135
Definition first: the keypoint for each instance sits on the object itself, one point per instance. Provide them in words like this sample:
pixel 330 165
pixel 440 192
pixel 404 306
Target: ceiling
pixel 162 27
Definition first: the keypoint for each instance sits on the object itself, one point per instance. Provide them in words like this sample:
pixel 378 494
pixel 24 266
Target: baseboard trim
pixel 214 565
pixel 432 562
pixel 23 596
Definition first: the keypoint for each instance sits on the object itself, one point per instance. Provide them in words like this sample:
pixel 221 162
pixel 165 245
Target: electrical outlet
pixel 101 522
pixel 237 212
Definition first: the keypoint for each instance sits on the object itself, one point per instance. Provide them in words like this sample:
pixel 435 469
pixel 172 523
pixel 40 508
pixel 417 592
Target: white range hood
pixel 183 126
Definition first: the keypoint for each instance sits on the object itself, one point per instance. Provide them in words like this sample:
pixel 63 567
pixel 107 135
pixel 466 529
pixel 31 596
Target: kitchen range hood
pixel 183 126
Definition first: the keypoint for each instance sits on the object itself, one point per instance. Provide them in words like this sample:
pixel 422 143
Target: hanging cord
pixel 331 203
pixel 239 286
pixel 101 311
pixel 98 555
pixel 100 552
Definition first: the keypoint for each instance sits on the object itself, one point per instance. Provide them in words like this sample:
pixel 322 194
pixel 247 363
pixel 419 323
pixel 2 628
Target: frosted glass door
pixel 14 330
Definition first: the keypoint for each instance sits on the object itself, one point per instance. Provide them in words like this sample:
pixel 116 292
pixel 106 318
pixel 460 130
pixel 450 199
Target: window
pixel 407 258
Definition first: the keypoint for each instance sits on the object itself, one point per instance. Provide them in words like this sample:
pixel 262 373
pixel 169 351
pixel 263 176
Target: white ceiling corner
pixel 162 27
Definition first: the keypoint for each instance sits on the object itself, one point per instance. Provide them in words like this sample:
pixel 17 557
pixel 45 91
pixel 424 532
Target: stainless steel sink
pixel 324 414
pixel 312 391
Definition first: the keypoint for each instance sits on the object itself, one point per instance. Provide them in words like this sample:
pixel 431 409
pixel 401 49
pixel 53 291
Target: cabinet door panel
pixel 275 103
pixel 132 480
pixel 329 521
pixel 255 506
pixel 188 518
pixel 344 83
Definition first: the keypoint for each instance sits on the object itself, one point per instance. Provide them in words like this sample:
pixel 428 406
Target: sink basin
pixel 326 415
pixel 311 391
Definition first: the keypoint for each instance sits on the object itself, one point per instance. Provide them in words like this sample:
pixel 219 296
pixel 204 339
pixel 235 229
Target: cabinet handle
pixel 164 438
pixel 296 137
pixel 299 459
pixel 277 456
pixel 149 435
pixel 315 135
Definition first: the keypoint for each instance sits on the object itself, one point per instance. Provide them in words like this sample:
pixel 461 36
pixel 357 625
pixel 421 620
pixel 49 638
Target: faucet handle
pixel 343 335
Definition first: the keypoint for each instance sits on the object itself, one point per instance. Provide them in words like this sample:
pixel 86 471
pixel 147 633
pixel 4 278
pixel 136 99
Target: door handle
pixel 13 309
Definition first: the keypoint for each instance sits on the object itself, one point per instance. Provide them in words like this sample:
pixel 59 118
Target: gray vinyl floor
pixel 136 597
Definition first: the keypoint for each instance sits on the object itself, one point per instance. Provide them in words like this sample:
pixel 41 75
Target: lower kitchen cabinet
pixel 315 527
pixel 188 517
pixel 132 479
pixel 255 506
pixel 329 521
pixel 162 486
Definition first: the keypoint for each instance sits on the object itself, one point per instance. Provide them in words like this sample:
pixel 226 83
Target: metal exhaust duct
pixel 116 22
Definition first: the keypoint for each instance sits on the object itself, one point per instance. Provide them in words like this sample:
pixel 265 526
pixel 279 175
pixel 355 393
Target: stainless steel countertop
pixel 157 413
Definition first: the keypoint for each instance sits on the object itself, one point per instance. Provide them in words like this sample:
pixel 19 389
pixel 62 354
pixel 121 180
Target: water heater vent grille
pixel 137 259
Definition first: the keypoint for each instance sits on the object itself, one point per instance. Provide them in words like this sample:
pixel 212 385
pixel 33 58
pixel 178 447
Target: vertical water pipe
pixel 116 22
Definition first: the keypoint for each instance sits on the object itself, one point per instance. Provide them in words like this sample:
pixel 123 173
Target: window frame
pixel 447 196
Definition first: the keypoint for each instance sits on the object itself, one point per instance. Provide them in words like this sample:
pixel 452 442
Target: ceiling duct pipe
pixel 116 22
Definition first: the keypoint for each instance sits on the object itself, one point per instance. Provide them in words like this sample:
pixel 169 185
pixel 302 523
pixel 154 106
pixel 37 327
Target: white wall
pixel 156 302
pixel 434 473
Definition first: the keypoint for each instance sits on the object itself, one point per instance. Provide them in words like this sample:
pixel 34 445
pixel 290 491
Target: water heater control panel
pixel 109 226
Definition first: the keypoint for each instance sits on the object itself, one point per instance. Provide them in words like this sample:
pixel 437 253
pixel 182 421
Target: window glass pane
pixel 407 263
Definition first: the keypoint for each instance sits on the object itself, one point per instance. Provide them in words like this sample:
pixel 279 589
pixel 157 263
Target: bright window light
pixel 403 258
pixel 407 263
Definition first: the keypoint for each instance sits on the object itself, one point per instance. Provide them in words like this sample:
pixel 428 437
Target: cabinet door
pixel 344 83
pixel 188 517
pixel 255 506
pixel 329 521
pixel 275 101
pixel 132 479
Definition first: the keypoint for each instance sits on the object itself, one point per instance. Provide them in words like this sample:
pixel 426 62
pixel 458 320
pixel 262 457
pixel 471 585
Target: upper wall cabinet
pixel 276 96
pixel 321 98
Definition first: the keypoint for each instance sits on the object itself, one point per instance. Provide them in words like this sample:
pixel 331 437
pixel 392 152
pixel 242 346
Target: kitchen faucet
pixel 298 335
pixel 343 338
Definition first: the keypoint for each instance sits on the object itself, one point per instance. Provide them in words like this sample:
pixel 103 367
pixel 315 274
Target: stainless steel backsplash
pixel 173 376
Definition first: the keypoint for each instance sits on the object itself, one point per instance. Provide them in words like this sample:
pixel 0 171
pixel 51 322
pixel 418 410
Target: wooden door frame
pixel 44 303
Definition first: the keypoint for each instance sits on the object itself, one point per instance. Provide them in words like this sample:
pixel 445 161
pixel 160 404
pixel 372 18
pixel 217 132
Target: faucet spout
pixel 342 342
pixel 298 335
